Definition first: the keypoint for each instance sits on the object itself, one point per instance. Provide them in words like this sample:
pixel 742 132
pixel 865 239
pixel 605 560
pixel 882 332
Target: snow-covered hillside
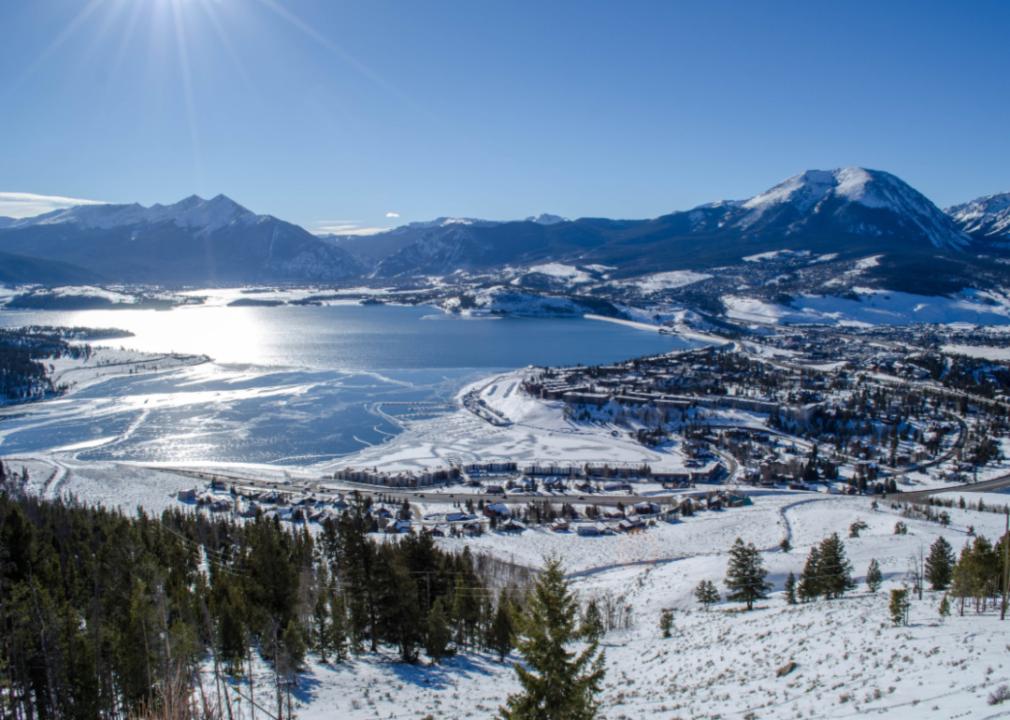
pixel 839 658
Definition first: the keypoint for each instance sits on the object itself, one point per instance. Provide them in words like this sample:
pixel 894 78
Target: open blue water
pixel 293 385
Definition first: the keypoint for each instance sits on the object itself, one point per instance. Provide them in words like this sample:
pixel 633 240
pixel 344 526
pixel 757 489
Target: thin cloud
pixel 392 214
pixel 22 205
pixel 345 227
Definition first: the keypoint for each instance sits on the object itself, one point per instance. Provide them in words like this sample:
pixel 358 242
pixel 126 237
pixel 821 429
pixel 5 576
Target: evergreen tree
pixel 558 683
pixel 961 579
pixel 706 593
pixel 898 606
pixel 745 574
pixel 321 625
pixel 293 645
pixel 356 563
pixel 439 634
pixel 809 586
pixel 944 608
pixel 232 637
pixel 940 564
pixel 834 569
pixel 873 576
pixel 398 616
pixel 666 622
pixel 790 589
pixel 465 612
pixel 592 621
pixel 338 626
pixel 502 629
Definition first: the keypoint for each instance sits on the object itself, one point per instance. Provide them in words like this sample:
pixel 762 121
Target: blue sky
pixel 341 113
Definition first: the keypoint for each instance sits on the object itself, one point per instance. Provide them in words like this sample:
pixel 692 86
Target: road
pixel 922 496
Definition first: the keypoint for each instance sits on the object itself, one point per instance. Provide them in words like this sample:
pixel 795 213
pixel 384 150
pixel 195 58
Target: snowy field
pixel 849 660
pixel 873 307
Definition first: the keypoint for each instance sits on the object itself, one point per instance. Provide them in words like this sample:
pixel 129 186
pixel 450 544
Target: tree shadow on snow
pixel 306 686
pixel 440 676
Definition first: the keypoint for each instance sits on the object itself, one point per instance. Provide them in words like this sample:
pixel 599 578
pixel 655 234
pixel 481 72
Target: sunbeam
pixel 187 88
pixel 72 27
pixel 229 47
pixel 310 32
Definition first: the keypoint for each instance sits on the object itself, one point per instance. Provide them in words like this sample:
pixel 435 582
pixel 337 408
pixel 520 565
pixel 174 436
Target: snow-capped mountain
pixel 191 212
pixel 546 219
pixel 847 213
pixel 450 222
pixel 985 218
pixel 192 241
pixel 851 211
pixel 852 200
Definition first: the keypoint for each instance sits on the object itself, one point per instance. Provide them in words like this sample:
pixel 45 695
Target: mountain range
pixel 848 213
pixel 193 241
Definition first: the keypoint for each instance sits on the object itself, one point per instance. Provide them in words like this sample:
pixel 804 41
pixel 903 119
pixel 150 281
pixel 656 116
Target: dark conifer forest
pixel 103 614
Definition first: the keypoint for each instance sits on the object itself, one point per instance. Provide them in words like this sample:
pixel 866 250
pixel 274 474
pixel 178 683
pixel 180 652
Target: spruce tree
pixel 321 626
pixel 558 683
pixel 231 629
pixel 940 564
pixel 439 634
pixel 790 589
pixel 961 579
pixel 293 640
pixel 809 586
pixel 898 606
pixel 745 574
pixel 873 576
pixel 666 622
pixel 338 627
pixel 592 621
pixel 834 569
pixel 465 613
pixel 706 593
pixel 502 630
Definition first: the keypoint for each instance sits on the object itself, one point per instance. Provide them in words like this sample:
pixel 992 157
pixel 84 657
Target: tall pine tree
pixel 809 587
pixel 834 569
pixel 558 682
pixel 940 564
pixel 745 574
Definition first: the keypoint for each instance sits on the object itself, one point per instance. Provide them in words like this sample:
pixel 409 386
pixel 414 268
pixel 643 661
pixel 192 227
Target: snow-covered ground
pixel 672 280
pixel 874 307
pixel 979 351
pixel 569 273
pixel 850 661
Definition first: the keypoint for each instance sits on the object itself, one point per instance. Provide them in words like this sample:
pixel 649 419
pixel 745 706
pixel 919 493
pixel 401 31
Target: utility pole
pixel 1006 560
pixel 922 572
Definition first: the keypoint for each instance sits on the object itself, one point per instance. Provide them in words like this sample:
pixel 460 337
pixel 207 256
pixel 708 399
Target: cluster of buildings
pixel 673 387
pixel 399 479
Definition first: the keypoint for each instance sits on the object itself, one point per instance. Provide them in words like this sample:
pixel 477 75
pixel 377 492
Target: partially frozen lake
pixel 293 385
